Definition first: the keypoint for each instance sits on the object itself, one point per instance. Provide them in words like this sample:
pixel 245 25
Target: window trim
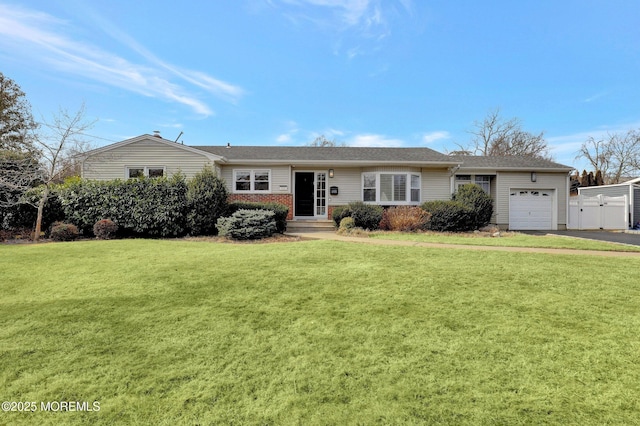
pixel 145 171
pixel 378 191
pixel 252 181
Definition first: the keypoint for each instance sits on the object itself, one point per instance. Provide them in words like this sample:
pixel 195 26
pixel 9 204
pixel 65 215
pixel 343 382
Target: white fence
pixel 599 212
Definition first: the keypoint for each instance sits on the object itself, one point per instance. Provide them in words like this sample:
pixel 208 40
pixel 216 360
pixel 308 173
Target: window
pixel 369 187
pixel 462 180
pixel 391 188
pixel 415 188
pixel 145 171
pixel 483 182
pixel 252 180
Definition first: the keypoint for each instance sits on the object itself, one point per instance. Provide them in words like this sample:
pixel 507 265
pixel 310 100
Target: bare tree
pixel 323 142
pixel 615 156
pixel 496 136
pixel 63 139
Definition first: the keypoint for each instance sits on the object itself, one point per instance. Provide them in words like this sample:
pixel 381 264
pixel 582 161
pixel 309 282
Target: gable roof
pixel 329 155
pixel 509 163
pixel 156 139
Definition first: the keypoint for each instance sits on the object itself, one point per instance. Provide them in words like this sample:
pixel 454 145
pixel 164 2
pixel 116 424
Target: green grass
pixel 511 239
pixel 317 332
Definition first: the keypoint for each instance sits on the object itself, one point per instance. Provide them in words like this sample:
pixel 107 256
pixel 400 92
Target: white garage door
pixel 530 209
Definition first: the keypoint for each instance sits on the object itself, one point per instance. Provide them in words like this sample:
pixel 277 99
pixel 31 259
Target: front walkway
pixel 365 240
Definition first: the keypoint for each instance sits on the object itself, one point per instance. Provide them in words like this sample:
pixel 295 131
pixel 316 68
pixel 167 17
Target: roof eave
pixel 520 169
pixel 336 163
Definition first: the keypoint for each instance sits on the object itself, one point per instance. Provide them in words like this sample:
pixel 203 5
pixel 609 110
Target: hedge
pixel 147 207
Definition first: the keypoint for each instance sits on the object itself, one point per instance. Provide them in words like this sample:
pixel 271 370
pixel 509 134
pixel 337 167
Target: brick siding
pixel 286 199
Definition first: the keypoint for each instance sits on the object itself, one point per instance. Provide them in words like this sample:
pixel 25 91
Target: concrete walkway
pixel 364 240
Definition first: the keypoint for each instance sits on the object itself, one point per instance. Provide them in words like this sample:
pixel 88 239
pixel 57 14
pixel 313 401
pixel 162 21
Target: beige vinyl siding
pixel 349 183
pixel 506 181
pixel 112 164
pixel 436 185
pixel 279 176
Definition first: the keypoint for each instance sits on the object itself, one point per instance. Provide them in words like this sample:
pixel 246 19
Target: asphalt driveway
pixel 611 236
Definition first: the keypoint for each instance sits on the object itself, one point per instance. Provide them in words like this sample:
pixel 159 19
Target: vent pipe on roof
pixel 228 144
pixel 156 133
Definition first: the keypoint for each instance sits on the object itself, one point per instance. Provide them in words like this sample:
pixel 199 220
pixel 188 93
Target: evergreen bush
pixel 339 213
pixel 450 216
pixel 365 216
pixel 280 211
pixel 207 201
pixel 247 224
pixel 474 197
pixel 347 223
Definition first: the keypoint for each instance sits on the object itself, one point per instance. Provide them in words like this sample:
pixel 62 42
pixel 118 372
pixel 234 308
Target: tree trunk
pixel 41 203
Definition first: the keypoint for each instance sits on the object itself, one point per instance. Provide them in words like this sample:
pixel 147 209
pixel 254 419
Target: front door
pixel 304 194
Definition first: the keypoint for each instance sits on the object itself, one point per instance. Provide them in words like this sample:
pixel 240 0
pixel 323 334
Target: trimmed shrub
pixel 339 213
pixel 105 229
pixel 450 216
pixel 207 201
pixel 479 201
pixel 365 216
pixel 280 211
pixel 64 232
pixel 247 224
pixel 404 218
pixel 347 223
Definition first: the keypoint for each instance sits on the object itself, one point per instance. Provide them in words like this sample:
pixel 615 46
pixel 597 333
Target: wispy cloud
pixel 367 19
pixel 596 97
pixel 45 39
pixel 428 138
pixel 287 137
pixel 373 140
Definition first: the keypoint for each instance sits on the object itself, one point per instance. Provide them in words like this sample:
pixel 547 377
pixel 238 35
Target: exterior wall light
pixel 330 173
pixel 534 177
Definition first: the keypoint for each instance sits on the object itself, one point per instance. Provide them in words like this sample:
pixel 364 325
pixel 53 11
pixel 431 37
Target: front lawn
pixel 508 239
pixel 317 332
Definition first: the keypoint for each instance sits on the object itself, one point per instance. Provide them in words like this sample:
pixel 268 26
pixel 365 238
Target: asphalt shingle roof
pixel 380 155
pixel 507 162
pixel 306 153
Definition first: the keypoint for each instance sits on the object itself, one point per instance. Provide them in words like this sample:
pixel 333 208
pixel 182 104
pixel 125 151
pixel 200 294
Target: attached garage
pixel 531 209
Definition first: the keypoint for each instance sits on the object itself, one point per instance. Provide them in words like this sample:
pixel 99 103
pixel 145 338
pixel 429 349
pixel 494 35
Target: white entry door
pixel 530 209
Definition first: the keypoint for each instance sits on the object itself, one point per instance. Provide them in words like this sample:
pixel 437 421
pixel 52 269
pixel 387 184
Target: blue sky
pixel 363 72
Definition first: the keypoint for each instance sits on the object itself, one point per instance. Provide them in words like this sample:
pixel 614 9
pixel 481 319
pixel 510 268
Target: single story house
pixel 528 193
pixel 629 188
